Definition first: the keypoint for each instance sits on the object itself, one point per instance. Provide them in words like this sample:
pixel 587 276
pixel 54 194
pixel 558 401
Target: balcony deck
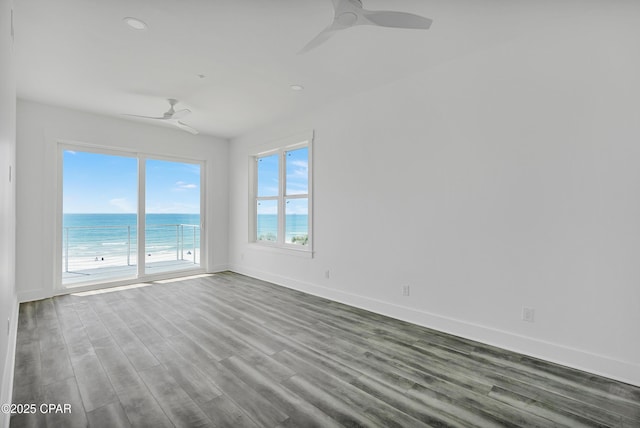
pixel 111 273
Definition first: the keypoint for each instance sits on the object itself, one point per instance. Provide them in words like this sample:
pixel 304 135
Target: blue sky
pixel 96 183
pixel 297 181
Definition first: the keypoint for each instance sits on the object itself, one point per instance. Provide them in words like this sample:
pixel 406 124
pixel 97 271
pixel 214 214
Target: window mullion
pixel 281 196
pixel 142 210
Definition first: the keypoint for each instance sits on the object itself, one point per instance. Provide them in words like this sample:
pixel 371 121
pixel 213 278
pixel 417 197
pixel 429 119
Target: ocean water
pixel 296 225
pixel 112 238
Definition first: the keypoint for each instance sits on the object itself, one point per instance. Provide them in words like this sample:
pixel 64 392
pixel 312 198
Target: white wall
pixel 8 301
pixel 40 127
pixel 505 179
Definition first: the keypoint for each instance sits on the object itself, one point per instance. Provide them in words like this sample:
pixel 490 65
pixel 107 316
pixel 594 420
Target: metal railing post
pixel 194 245
pixel 128 245
pixel 177 242
pixel 182 241
pixel 66 250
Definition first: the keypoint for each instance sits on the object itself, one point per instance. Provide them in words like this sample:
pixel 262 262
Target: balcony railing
pixel 94 247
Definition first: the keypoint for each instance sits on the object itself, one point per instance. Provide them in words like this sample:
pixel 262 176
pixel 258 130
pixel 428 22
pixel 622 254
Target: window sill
pixel 280 249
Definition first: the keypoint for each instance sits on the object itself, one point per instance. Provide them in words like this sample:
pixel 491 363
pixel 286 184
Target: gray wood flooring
pixel 231 351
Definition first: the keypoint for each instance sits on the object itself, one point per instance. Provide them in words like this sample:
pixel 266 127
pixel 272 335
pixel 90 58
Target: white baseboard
pixel 6 389
pixel 556 353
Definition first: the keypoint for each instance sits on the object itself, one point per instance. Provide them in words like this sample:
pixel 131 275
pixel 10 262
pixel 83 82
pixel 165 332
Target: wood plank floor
pixel 230 351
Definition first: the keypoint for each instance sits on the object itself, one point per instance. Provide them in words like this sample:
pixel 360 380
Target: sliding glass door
pixel 172 216
pixel 111 202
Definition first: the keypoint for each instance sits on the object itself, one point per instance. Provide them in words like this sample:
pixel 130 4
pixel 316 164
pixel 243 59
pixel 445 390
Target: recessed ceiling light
pixel 135 23
pixel 297 87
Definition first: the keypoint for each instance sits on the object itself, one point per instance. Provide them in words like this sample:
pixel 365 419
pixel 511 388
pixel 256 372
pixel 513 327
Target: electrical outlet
pixel 327 274
pixel 406 291
pixel 528 314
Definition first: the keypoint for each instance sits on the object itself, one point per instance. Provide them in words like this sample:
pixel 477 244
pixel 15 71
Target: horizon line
pixel 133 213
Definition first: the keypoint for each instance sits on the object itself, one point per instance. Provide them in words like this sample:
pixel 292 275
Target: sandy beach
pixel 110 260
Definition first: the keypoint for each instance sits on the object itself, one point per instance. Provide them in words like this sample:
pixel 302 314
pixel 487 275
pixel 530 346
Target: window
pixel 282 197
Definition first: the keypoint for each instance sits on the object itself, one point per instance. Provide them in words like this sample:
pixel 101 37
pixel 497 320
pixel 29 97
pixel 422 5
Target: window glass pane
pixel 268 176
pixel 267 221
pixel 297 162
pixel 172 232
pixel 99 226
pixel 297 221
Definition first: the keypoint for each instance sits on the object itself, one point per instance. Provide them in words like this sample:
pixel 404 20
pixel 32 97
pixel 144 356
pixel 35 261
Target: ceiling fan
pixel 349 13
pixel 172 116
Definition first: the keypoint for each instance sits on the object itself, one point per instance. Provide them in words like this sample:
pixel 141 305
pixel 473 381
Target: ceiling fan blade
pixel 393 19
pixel 180 113
pixel 186 127
pixel 321 38
pixel 144 117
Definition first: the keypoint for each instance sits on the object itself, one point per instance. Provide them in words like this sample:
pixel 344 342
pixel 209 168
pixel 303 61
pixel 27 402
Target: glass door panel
pixel 172 216
pixel 99 221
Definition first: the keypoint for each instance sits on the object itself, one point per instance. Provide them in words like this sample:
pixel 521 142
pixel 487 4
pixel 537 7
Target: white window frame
pixel 281 147
pixel 142 157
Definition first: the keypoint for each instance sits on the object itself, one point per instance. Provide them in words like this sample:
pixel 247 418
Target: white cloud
pixel 182 185
pixel 122 204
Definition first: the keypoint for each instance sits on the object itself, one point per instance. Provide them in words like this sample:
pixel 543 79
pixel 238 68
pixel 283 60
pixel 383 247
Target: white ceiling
pixel 80 53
